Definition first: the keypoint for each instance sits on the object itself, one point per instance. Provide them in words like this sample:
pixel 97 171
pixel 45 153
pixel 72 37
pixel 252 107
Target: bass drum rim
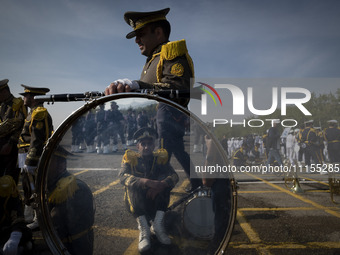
pixel 49 233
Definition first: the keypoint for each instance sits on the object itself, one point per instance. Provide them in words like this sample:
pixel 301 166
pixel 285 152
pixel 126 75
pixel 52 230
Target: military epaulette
pixel 65 189
pixel 8 187
pixel 17 104
pixel 161 155
pixel 170 51
pixel 39 113
pixel 174 49
pixel 131 157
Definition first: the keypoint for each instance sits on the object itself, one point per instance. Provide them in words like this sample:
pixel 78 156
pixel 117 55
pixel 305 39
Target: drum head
pixel 86 203
pixel 198 218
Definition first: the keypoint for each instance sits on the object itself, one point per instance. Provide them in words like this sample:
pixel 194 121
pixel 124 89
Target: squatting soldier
pixel 148 179
pixel 332 137
pixel 35 133
pixel 240 156
pixel 12 117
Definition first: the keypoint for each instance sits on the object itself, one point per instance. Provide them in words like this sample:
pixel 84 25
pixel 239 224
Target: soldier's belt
pixel 335 141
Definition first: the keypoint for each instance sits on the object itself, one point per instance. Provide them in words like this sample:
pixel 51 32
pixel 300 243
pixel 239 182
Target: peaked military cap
pixel 3 84
pixel 309 122
pixel 34 90
pixel 138 20
pixel 332 121
pixel 145 132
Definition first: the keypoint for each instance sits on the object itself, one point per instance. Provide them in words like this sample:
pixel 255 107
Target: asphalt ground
pixel 271 218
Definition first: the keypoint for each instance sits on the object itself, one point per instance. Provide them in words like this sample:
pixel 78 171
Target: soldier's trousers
pixel 334 152
pixel 139 204
pixel 314 152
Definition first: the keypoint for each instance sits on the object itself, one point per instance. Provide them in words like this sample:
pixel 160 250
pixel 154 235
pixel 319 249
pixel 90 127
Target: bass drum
pixel 83 207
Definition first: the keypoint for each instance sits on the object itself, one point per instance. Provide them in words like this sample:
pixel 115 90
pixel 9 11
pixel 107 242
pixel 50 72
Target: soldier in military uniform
pixel 35 133
pixel 148 179
pixel 12 117
pixel 240 156
pixel 116 126
pixel 168 66
pixel 131 126
pixel 332 137
pixel 71 206
pixel 309 140
pixel 101 126
pixel 90 131
pixel 77 134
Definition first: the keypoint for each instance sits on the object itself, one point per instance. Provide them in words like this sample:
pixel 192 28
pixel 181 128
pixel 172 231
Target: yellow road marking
pixel 287 245
pixel 251 234
pixel 132 249
pixel 317 191
pixel 310 179
pixel 258 191
pixel 106 187
pixel 285 209
pixel 321 207
pixel 81 172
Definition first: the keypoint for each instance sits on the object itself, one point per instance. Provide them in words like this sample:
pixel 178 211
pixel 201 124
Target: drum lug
pixel 34 201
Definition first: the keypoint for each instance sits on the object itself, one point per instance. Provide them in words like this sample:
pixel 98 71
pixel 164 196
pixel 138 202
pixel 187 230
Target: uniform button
pixel 144 72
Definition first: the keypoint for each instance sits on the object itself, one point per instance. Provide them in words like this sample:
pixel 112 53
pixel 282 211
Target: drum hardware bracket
pixel 33 200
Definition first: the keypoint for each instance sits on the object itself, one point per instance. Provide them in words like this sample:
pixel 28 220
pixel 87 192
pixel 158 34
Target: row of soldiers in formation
pixel 302 146
pixel 306 145
pixel 98 131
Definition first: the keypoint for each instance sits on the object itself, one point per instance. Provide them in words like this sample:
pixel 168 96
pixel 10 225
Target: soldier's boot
pixel 35 224
pixel 158 229
pixel 28 214
pixel 144 234
pixel 99 150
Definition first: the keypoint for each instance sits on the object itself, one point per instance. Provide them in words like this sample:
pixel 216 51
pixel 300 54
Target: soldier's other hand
pixel 29 169
pixel 120 86
pixel 152 193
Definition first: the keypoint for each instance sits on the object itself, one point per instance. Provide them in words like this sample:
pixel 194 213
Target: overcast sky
pixel 77 46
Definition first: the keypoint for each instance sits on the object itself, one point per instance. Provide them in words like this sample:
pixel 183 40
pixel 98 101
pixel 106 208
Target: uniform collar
pixel 156 51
